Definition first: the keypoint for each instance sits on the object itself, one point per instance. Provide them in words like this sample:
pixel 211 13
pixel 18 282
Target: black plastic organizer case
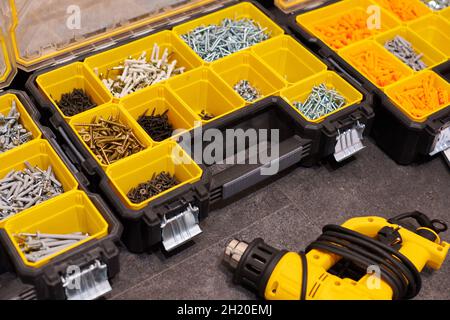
pixel 96 261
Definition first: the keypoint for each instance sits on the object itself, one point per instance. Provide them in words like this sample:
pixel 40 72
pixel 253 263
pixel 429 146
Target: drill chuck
pixel 234 252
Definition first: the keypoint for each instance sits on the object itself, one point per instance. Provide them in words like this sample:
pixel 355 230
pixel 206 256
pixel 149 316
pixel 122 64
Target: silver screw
pixel 247 91
pixel 12 132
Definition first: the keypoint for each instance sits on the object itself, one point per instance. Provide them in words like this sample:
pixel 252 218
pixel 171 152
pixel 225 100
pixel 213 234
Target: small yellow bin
pixel 289 59
pixel 318 22
pixel 406 10
pixel 203 90
pixel 370 71
pixel 105 112
pixel 239 11
pixel 73 76
pixel 25 119
pixel 435 30
pixel 431 56
pixel 301 90
pixel 445 13
pixel 160 99
pixel 38 153
pixel 246 66
pixel 426 110
pixel 165 40
pixel 68 213
pixel 167 156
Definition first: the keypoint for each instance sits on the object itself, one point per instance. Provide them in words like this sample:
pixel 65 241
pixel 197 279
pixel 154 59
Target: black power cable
pixel 396 270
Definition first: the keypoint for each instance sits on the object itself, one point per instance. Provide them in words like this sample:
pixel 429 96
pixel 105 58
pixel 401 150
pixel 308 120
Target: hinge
pixel 349 142
pixel 86 284
pixel 181 228
pixel 442 140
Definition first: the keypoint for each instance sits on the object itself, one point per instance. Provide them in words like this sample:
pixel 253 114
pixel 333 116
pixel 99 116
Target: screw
pixel 157 126
pixel 247 91
pixel 437 5
pixel 12 133
pixel 157 184
pixel 206 115
pixel 216 41
pixel 75 102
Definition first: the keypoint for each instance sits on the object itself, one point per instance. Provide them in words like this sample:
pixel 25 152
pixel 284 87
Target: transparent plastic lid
pixel 7 65
pixel 289 6
pixel 47 32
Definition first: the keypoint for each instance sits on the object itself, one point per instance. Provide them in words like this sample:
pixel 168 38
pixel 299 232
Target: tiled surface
pixel 289 213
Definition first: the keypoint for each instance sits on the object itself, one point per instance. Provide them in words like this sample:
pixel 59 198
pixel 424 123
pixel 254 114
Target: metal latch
pixel 349 142
pixel 86 284
pixel 181 228
pixel 442 141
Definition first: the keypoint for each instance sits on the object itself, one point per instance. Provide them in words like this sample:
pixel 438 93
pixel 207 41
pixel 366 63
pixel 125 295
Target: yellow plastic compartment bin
pixel 246 66
pixel 106 111
pixel 167 156
pixel 370 71
pixel 73 76
pixel 5 67
pixel 301 90
pixel 161 99
pixel 445 13
pixel 318 22
pixel 38 153
pixel 239 11
pixel 435 30
pixel 68 213
pixel 409 84
pixel 104 61
pixel 406 10
pixel 431 56
pixel 289 59
pixel 25 119
pixel 203 90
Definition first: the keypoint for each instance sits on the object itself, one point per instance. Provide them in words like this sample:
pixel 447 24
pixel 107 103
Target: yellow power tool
pixel 364 258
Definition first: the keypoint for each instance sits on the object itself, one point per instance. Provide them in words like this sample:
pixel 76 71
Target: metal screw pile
pixel 247 91
pixel 437 4
pixel 157 184
pixel 157 126
pixel 320 102
pixel 20 190
pixel 136 74
pixel 109 139
pixel 12 133
pixel 204 115
pixel 404 50
pixel 75 102
pixel 38 246
pixel 213 42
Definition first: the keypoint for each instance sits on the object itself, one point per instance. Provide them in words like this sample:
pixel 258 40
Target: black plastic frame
pixel 46 280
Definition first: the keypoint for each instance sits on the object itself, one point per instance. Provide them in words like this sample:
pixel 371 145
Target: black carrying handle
pixel 422 219
pixel 240 177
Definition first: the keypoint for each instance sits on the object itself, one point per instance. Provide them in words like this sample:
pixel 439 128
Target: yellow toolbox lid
pixel 49 32
pixel 7 65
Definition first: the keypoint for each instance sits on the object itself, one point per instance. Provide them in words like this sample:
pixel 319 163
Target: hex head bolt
pixel 12 132
pixel 216 41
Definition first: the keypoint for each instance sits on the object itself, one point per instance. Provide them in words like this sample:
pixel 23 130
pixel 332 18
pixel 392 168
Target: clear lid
pixel 7 65
pixel 48 32
pixel 288 6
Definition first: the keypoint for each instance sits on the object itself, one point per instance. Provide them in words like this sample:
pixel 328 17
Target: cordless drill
pixel 364 258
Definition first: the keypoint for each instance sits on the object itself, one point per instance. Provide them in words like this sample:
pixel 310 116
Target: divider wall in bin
pixel 202 86
pixel 75 207
pixel 402 137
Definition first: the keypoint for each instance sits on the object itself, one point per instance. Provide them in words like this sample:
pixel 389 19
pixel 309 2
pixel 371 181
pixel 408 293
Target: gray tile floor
pixel 289 213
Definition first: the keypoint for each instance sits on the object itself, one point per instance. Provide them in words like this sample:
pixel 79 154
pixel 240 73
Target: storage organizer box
pixel 203 87
pixel 405 137
pixel 75 210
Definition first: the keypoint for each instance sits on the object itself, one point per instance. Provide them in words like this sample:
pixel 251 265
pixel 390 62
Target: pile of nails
pixel 12 133
pixel 404 50
pixel 204 115
pixel 247 91
pixel 136 74
pixel 213 41
pixel 20 190
pixel 321 101
pixel 109 139
pixel 157 126
pixel 437 5
pixel 157 184
pixel 75 102
pixel 37 246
